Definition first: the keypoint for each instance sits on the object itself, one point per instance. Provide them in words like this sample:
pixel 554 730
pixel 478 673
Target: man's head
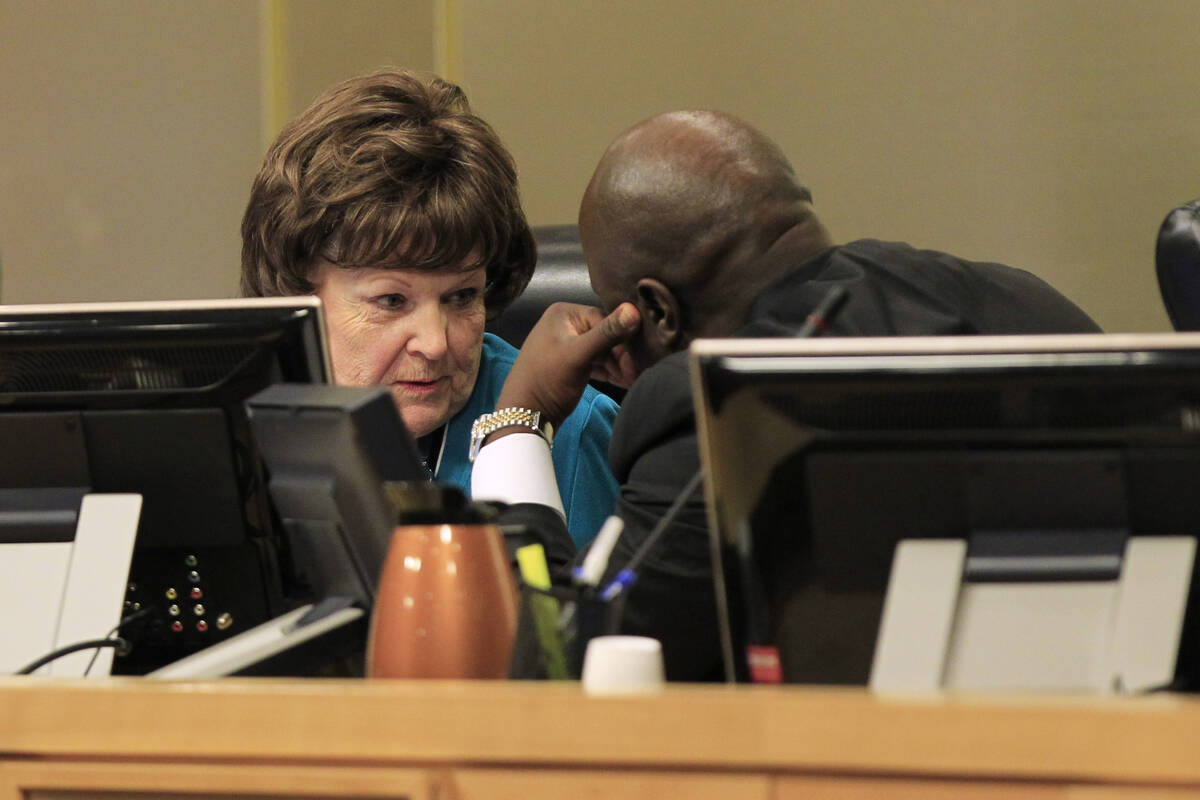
pixel 689 215
pixel 391 170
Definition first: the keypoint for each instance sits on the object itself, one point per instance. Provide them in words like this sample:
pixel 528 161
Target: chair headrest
pixel 1177 263
pixel 561 275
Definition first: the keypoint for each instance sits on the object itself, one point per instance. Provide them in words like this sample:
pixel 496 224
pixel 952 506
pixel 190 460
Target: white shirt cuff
pixel 516 469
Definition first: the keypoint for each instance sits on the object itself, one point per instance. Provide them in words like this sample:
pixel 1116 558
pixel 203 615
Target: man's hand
pixel 570 344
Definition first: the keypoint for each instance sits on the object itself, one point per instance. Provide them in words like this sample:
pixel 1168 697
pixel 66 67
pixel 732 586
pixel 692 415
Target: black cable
pixel 120 644
pixel 113 631
pixel 625 577
pixel 815 324
pixel 617 589
pixel 123 646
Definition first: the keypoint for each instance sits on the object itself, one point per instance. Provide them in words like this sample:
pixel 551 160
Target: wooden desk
pixel 477 741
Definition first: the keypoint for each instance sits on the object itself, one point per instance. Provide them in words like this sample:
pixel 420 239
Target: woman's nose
pixel 428 335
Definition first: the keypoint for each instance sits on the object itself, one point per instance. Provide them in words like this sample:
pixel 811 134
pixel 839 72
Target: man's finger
pixel 611 331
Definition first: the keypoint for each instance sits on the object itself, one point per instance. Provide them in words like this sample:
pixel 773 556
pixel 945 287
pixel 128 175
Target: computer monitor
pixel 328 451
pixel 147 397
pixel 1046 456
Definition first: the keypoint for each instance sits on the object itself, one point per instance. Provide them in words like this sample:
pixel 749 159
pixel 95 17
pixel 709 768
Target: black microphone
pixel 818 320
pixel 816 323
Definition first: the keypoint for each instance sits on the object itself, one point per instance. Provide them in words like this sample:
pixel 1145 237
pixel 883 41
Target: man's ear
pixel 661 318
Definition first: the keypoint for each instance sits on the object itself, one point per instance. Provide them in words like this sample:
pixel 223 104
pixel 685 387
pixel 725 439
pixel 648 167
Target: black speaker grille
pixel 107 368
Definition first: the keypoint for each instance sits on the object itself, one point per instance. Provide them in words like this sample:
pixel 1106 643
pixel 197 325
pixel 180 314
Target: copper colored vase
pixel 446 605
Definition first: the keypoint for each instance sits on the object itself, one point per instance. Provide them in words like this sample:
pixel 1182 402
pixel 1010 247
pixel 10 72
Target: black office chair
pixel 1177 262
pixel 561 275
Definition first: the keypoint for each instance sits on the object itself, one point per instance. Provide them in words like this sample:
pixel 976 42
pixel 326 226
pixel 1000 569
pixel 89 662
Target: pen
pixel 595 562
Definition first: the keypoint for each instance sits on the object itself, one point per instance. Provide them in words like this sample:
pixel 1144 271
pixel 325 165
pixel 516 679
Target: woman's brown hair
pixel 390 169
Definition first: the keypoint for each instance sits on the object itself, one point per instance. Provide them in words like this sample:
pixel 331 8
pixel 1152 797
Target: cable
pixel 615 591
pixel 628 573
pixel 112 632
pixel 816 323
pixel 92 661
pixel 120 644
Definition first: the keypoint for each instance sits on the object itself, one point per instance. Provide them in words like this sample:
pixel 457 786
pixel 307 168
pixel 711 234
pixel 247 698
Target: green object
pixel 531 559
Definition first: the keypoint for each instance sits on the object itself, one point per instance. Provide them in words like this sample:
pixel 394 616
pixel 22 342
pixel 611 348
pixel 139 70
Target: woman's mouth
pixel 419 388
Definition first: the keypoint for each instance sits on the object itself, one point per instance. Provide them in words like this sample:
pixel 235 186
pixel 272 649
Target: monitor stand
pixel 64 563
pixel 939 631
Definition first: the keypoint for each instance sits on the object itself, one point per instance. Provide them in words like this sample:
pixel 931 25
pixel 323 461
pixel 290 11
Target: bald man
pixel 694 225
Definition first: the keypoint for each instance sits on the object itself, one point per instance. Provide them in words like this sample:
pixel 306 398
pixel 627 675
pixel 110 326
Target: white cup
pixel 622 665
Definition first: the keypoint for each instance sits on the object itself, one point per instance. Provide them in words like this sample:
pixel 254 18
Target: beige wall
pixel 1050 134
pixel 129 131
pixel 325 42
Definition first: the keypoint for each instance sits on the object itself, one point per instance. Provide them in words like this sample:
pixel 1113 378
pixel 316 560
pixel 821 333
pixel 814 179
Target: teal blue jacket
pixel 580 452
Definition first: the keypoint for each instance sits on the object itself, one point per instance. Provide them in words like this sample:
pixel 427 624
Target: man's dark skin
pixel 688 217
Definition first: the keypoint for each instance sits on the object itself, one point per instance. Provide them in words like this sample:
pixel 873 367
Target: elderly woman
pixel 398 207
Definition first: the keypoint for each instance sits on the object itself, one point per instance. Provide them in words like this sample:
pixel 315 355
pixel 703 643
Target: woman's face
pixel 418 333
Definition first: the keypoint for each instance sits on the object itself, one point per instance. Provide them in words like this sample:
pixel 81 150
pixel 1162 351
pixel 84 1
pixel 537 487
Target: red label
pixel 763 661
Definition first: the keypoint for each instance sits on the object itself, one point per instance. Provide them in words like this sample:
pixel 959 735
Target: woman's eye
pixel 390 302
pixel 463 298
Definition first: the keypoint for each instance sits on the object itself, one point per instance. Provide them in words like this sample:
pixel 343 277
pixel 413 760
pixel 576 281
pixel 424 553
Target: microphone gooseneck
pixel 816 323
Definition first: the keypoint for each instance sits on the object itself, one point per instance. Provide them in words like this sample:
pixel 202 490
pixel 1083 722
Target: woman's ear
pixel 661 320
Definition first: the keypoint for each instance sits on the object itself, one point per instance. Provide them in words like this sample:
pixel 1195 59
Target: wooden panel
pixel 833 788
pixel 528 784
pixel 156 781
pixel 90 794
pixel 1130 793
pixel 845 788
pixel 495 724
